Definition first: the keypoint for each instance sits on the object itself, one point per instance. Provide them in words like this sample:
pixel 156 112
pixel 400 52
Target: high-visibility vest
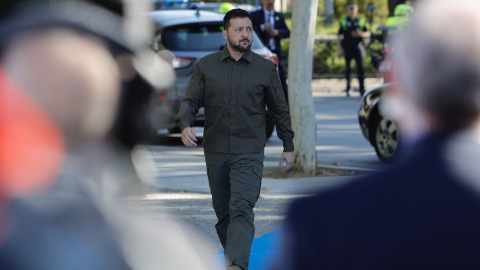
pixel 396 21
pixel 361 23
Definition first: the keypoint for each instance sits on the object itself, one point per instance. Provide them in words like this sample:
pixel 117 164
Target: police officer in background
pixel 354 30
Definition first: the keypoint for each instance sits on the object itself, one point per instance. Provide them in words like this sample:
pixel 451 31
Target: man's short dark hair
pixel 234 13
pixel 352 5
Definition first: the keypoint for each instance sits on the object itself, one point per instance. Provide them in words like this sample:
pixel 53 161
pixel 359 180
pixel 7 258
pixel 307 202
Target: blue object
pixel 264 249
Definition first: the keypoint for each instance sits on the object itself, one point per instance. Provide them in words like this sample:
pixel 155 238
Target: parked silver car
pixel 182 37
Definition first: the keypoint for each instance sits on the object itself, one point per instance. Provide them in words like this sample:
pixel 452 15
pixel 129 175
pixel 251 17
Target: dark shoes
pixel 361 90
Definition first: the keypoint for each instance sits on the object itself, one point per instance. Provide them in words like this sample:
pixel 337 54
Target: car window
pixel 197 37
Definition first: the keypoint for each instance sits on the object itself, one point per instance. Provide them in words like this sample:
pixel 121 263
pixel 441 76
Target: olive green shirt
pixel 234 94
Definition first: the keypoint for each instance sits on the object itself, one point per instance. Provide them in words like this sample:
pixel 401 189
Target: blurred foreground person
pixel 61 90
pixel 423 212
pixel 79 93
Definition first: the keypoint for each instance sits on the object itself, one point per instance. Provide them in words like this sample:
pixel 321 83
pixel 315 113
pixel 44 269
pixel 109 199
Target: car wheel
pixel 385 139
pixel 269 125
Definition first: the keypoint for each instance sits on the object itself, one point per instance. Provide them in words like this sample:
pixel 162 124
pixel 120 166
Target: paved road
pixel 178 185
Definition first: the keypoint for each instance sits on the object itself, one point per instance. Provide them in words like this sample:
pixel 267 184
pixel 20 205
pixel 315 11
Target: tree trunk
pixel 304 16
pixel 329 12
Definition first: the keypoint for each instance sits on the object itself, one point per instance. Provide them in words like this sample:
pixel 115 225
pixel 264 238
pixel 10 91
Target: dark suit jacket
pixel 258 18
pixel 414 215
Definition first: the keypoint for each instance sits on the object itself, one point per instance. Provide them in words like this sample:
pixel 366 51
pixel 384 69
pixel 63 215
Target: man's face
pixel 240 34
pixel 268 4
pixel 352 12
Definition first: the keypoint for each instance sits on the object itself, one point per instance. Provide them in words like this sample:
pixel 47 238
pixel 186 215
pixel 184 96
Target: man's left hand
pixel 288 158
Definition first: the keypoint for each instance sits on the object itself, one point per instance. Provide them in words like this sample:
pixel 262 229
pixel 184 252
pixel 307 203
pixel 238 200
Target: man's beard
pixel 238 47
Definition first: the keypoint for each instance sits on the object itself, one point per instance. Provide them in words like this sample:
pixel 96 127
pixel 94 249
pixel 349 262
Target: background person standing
pixel 271 28
pixel 354 30
pixel 235 85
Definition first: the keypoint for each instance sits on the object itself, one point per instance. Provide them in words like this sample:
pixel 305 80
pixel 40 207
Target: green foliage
pixel 321 29
pixel 326 60
pixel 379 16
pixel 380 13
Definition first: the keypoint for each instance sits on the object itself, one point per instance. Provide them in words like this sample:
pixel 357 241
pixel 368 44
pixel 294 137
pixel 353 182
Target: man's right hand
pixel 189 137
pixel 340 52
pixel 267 27
pixel 357 33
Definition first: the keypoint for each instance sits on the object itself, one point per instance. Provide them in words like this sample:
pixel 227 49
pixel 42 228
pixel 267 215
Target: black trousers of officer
pixel 235 181
pixel 357 53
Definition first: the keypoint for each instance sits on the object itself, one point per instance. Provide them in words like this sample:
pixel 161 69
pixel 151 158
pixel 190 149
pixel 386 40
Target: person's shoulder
pixel 280 14
pixel 257 12
pixel 352 194
pixel 265 63
pixel 210 58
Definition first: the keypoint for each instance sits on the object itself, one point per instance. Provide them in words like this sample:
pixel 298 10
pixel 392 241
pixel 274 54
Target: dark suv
pixel 182 37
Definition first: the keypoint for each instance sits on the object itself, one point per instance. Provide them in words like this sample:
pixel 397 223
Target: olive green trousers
pixel 235 181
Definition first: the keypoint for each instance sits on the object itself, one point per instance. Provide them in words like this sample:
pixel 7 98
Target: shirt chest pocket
pixel 255 92
pixel 252 91
pixel 216 90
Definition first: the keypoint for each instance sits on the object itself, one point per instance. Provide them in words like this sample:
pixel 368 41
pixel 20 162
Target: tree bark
pixel 304 16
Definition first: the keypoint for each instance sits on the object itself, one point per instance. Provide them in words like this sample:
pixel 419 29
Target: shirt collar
pixel 225 54
pixel 266 12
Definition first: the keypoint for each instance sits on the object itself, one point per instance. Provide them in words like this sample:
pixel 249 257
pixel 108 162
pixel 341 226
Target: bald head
pixel 438 60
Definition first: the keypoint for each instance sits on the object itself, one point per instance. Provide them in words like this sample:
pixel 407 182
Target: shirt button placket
pixel 232 104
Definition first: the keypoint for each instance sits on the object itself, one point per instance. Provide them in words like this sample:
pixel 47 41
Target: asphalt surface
pixel 177 185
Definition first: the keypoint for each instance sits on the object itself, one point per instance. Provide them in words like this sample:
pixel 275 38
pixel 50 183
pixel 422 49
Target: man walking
pixel 354 30
pixel 235 85
pixel 271 28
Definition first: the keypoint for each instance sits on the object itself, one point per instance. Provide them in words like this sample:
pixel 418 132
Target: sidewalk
pixel 337 85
